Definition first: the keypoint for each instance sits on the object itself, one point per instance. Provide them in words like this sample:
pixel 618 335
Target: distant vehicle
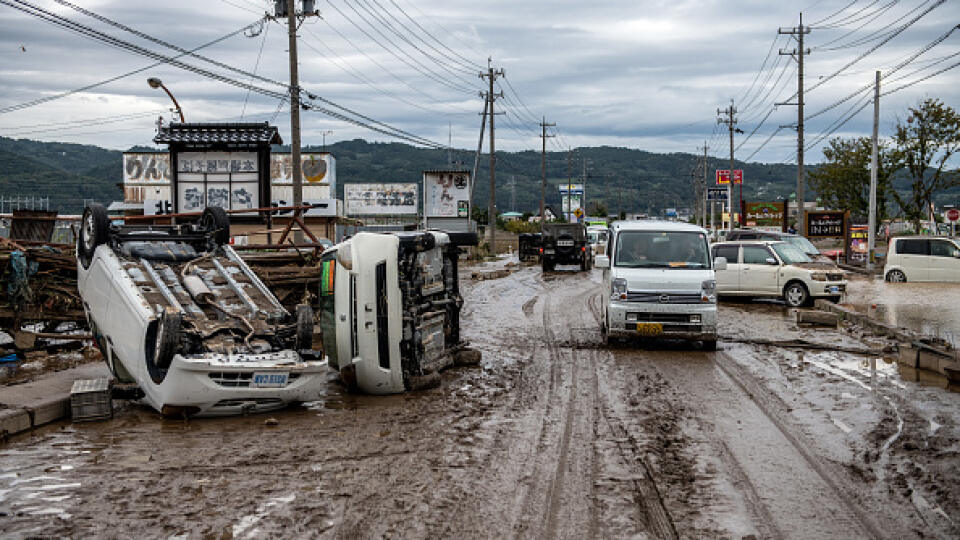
pixel 797 241
pixel 528 246
pixel 564 243
pixel 597 236
pixel 595 222
pixel 776 269
pixel 175 310
pixel 922 258
pixel 659 282
pixel 391 309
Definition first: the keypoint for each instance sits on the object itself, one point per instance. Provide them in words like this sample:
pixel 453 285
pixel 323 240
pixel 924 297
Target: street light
pixel 156 83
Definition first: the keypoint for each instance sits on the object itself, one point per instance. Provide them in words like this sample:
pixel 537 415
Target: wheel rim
pixel 794 296
pixel 897 276
pixel 88 232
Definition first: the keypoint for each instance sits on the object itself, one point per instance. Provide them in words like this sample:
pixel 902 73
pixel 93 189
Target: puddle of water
pixel 927 308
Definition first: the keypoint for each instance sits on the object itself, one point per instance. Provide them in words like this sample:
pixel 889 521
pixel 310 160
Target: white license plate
pixel 548 252
pixel 269 380
pixel 834 289
pixel 564 243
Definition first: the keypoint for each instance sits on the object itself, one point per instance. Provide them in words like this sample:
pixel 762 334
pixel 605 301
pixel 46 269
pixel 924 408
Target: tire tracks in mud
pixel 829 473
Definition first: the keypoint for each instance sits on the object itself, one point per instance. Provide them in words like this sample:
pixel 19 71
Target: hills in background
pixel 618 178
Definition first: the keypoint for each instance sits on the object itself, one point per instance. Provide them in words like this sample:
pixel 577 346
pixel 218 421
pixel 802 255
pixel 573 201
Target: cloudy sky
pixel 645 74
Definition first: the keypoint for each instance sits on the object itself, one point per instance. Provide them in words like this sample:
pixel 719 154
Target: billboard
pixel 446 193
pixel 146 168
pixel 380 199
pixel 764 214
pixel 571 200
pixel 229 180
pixel 723 176
pixel 318 168
pixel 826 224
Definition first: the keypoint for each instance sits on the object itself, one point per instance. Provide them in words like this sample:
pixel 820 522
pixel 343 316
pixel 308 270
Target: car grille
pixel 241 379
pixel 835 276
pixel 252 402
pixel 660 317
pixel 663 298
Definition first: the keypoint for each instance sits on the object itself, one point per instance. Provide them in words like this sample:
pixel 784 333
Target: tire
pixel 547 266
pixel 583 265
pixel 305 317
pixel 216 221
pixel 709 344
pixel 795 294
pixel 896 276
pixel 94 230
pixel 165 342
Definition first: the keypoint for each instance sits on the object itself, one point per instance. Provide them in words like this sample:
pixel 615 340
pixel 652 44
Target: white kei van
pixel 659 282
pixel 922 258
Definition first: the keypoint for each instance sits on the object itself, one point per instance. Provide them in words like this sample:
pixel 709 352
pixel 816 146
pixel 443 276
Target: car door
pixel 944 261
pixel 914 259
pixel 758 275
pixel 728 281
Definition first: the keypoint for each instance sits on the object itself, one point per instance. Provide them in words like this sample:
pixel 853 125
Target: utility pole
pixel 731 122
pixel 543 167
pixel 705 190
pixel 569 184
pixel 492 76
pixel 874 170
pixel 476 159
pixel 583 195
pixel 798 32
pixel 291 14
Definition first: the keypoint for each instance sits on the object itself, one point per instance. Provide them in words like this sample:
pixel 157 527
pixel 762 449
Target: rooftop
pixel 219 133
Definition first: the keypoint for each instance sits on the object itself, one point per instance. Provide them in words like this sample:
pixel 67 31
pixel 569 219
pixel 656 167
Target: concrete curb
pixel 900 334
pixel 16 420
pixel 27 406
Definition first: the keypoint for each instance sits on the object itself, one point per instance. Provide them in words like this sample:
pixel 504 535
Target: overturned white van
pixel 390 309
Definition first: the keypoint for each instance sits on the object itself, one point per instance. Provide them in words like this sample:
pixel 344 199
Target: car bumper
pixel 678 320
pixel 222 385
pixel 827 288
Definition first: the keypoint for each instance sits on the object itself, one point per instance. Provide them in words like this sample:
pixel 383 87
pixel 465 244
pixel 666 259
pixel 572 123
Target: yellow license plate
pixel 650 329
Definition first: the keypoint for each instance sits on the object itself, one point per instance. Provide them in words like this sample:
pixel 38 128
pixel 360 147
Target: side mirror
pixel 720 263
pixel 601 261
pixel 771 260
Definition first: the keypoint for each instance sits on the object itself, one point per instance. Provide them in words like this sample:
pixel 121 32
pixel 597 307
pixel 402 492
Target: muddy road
pixel 553 436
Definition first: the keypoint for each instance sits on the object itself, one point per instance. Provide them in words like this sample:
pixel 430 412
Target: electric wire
pixel 256 66
pixel 93 34
pixel 427 32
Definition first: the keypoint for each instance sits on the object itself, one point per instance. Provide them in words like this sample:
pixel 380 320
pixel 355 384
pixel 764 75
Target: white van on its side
pixel 659 282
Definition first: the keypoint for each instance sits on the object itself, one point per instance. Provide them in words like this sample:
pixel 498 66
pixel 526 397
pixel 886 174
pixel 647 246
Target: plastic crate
pixel 90 400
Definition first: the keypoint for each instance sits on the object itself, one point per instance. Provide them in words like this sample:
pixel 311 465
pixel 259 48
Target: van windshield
pixel 660 249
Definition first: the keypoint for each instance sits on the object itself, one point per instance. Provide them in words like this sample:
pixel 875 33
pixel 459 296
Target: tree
pixel 843 181
pixel 597 208
pixel 924 145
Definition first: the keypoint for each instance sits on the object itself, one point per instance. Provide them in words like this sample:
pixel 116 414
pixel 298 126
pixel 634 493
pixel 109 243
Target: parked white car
pixel 778 270
pixel 922 258
pixel 391 309
pixel 175 310
pixel 597 236
pixel 659 282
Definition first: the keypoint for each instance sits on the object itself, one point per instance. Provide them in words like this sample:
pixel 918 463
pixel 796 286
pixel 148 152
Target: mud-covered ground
pixel 553 436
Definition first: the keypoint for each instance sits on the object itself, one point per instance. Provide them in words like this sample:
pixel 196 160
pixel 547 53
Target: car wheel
pixel 896 276
pixel 94 230
pixel 709 344
pixel 795 294
pixel 216 221
pixel 166 341
pixel 304 327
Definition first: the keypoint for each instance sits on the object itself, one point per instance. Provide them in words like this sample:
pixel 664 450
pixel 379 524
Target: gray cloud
pixel 644 74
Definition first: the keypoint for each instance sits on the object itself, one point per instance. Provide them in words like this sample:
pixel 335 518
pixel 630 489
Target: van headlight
pixel 818 276
pixel 708 291
pixel 619 291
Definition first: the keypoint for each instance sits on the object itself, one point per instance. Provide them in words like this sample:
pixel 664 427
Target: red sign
pixel 723 176
pixel 953 214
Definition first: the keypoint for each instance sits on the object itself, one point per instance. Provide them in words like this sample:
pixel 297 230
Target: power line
pixel 427 32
